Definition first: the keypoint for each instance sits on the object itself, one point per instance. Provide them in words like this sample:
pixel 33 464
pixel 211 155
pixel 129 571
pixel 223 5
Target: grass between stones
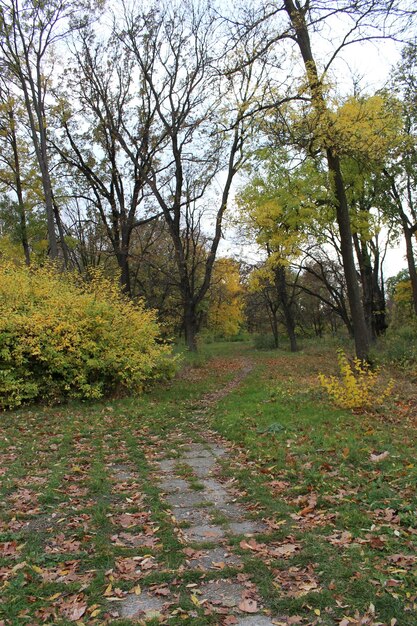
pixel 342 543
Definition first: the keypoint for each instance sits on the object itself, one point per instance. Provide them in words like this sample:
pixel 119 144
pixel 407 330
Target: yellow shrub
pixel 60 338
pixel 358 386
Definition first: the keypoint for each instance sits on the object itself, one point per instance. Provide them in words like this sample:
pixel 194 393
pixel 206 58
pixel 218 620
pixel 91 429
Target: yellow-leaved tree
pixel 276 209
pixel 225 301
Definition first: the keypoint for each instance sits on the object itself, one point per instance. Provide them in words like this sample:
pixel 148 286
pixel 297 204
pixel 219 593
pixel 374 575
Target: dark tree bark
pixel 281 286
pixel 273 320
pixel 19 188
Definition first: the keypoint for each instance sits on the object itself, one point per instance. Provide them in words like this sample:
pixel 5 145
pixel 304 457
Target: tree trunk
pixel 190 327
pixel 281 286
pixel 19 191
pixel 365 269
pixel 342 212
pixel 408 236
pixel 298 22
pixel 123 261
pixel 274 326
pixel 380 307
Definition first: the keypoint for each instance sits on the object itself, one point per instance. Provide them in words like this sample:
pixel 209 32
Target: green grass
pixel 292 451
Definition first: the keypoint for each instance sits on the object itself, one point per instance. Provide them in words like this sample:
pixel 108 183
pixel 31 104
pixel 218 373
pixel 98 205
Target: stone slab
pixel 196 517
pixel 255 620
pixel 141 606
pixel 197 451
pixel 222 592
pixel 231 510
pixel 214 559
pixel 201 466
pixel 217 450
pixel 247 527
pixel 204 532
pixel 167 466
pixel 123 472
pixel 171 485
pixel 186 499
pixel 215 492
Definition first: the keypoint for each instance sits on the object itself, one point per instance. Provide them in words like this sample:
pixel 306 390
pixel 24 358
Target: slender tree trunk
pixel 19 191
pixel 360 331
pixel 274 325
pixel 408 236
pixel 380 307
pixel 298 22
pixel 281 286
pixel 38 132
pixel 190 326
pixel 61 232
pixel 365 269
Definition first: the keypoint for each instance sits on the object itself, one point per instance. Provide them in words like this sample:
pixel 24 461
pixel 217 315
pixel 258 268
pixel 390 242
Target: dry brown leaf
pixel 248 606
pixel 377 458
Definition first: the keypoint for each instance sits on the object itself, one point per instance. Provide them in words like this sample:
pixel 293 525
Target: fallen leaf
pixel 195 600
pixel 377 458
pixel 248 606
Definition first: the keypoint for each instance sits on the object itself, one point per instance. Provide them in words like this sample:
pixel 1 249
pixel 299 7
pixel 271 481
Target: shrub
pixel 264 342
pixel 61 339
pixel 358 387
pixel 399 346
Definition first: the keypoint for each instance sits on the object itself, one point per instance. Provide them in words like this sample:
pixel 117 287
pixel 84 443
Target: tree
pixel 401 172
pixel 106 137
pixel 297 14
pixel 323 278
pixel 29 30
pixel 276 208
pixel 13 172
pixel 205 118
pixel 225 303
pixel 295 21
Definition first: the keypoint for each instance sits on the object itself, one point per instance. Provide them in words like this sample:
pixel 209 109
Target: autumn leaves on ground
pixel 235 494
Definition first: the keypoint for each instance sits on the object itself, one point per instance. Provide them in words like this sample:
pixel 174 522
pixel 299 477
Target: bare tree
pixel 12 149
pixel 28 31
pixel 205 117
pixel 107 139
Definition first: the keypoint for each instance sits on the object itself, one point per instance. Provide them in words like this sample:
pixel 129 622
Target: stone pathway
pixel 206 516
pixel 196 512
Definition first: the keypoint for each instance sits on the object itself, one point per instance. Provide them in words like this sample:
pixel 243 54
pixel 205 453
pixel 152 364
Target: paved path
pixel 207 517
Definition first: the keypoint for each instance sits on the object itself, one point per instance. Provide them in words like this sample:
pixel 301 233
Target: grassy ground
pixel 338 486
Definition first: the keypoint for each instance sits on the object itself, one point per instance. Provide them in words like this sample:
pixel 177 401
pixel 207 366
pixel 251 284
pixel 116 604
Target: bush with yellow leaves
pixel 357 387
pixel 61 338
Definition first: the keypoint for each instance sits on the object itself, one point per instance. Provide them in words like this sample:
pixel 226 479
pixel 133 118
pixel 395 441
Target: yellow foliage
pixel 367 127
pixel 358 386
pixel 62 339
pixel 225 312
pixel 11 250
pixel 403 295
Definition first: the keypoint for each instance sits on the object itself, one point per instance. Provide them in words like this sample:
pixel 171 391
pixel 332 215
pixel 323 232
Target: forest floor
pixel 235 494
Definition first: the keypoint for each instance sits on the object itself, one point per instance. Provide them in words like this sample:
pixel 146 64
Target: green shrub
pixel 264 342
pixel 399 346
pixel 61 339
